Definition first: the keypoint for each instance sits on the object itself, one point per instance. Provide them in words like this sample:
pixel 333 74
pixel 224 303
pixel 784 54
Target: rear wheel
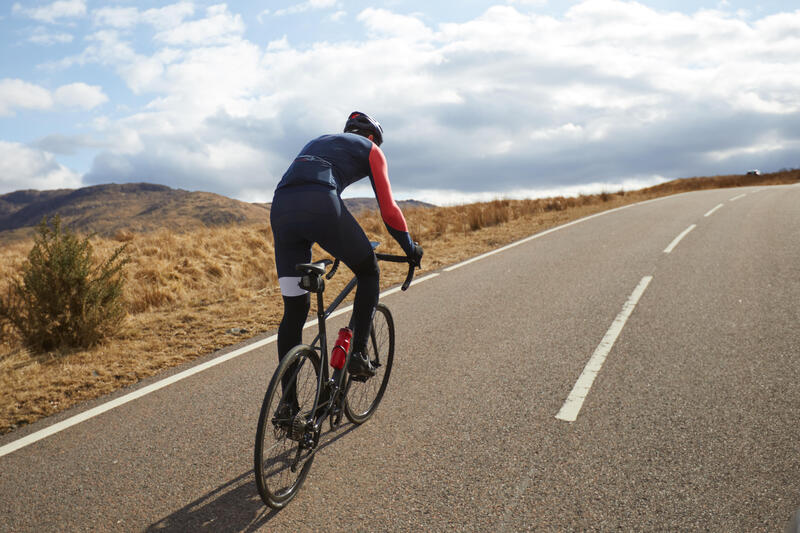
pixel 284 448
pixel 363 397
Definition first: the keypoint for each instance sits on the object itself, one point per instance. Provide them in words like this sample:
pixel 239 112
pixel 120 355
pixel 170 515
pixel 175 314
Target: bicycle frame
pixel 338 385
pixel 320 343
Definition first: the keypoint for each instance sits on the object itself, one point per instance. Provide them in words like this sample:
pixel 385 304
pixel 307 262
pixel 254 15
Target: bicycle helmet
pixel 363 124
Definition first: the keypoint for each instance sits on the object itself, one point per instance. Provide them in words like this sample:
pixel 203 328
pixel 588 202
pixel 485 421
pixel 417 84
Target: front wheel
pixel 284 447
pixel 363 397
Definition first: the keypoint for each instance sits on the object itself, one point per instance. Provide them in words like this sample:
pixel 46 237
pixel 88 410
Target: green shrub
pixel 65 299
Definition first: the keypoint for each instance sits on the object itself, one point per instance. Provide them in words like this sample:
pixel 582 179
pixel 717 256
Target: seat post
pixel 321 323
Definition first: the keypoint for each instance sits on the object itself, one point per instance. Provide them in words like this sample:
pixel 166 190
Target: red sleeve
pixel 390 212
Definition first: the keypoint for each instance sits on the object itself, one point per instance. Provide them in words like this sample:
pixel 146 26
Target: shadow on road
pixel 233 506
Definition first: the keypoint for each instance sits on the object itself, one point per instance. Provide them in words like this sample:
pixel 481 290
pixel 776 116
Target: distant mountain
pixel 137 207
pixel 361 204
pixel 356 205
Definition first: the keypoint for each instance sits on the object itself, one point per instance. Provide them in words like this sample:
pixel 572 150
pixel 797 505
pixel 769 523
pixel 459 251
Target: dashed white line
pixel 712 211
pixel 100 409
pixel 737 197
pixel 677 239
pixel 572 406
pixel 547 232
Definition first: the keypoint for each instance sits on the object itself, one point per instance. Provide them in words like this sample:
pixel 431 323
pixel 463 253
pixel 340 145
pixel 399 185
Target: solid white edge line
pixel 737 197
pixel 91 413
pixel 418 280
pixel 572 406
pixel 677 239
pixel 711 212
pixel 122 400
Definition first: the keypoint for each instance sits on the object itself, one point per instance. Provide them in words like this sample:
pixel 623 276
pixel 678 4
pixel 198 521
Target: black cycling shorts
pixel 303 215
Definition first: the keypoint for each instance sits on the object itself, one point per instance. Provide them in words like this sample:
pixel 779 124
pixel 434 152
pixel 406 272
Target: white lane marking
pixel 551 230
pixel 144 391
pixel 737 197
pixel 572 406
pixel 712 211
pixel 122 400
pixel 418 280
pixel 677 239
pixel 91 413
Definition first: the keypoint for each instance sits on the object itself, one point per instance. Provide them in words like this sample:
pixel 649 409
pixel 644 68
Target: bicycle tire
pixel 275 450
pixel 363 397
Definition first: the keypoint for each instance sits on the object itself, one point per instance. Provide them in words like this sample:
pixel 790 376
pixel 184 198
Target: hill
pixel 357 205
pixel 137 207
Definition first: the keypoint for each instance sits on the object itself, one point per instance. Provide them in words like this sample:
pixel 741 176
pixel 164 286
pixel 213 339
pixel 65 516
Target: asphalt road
pixel 691 423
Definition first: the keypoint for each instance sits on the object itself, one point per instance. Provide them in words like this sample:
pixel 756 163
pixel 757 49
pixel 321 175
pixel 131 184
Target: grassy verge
pixel 187 293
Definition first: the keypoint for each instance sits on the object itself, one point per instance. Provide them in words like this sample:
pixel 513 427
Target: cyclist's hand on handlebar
pixel 415 257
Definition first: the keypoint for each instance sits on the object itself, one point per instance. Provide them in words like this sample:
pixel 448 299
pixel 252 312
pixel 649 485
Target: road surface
pixel 639 370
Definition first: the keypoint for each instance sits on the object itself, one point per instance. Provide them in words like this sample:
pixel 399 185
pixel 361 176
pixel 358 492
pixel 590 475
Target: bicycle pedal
pixel 360 379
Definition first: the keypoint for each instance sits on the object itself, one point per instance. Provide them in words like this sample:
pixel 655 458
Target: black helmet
pixel 365 125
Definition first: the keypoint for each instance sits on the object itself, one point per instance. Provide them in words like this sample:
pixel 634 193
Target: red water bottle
pixel 339 352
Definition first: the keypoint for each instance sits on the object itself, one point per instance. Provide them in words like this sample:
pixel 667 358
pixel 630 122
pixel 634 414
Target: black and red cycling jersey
pixel 338 160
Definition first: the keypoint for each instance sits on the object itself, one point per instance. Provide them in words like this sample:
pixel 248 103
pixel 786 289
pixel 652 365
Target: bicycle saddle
pixel 313 268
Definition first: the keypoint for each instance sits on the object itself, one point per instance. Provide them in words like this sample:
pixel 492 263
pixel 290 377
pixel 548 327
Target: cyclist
pixel 307 208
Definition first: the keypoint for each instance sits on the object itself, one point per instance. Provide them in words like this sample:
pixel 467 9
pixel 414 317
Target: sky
pixel 478 99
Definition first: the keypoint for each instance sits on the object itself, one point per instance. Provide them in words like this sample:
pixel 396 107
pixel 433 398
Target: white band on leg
pixel 290 286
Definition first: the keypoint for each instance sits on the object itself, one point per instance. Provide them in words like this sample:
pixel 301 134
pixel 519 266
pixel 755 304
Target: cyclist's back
pixel 330 161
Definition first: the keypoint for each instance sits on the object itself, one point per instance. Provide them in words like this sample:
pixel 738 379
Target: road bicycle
pixel 288 434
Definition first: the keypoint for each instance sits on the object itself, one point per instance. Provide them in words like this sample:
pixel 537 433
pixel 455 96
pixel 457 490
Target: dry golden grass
pixel 186 291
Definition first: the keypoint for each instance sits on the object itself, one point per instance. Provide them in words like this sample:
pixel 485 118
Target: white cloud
pixel 278 44
pixel 22 167
pixel 80 95
pixel 219 26
pixel 508 103
pixel 338 16
pixel 105 48
pixel 18 94
pixel 168 17
pixel 384 23
pixel 116 17
pixel 42 36
pixel 52 13
pixel 761 146
pixel 565 131
pixel 163 19
pixel 446 197
pixel 309 5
